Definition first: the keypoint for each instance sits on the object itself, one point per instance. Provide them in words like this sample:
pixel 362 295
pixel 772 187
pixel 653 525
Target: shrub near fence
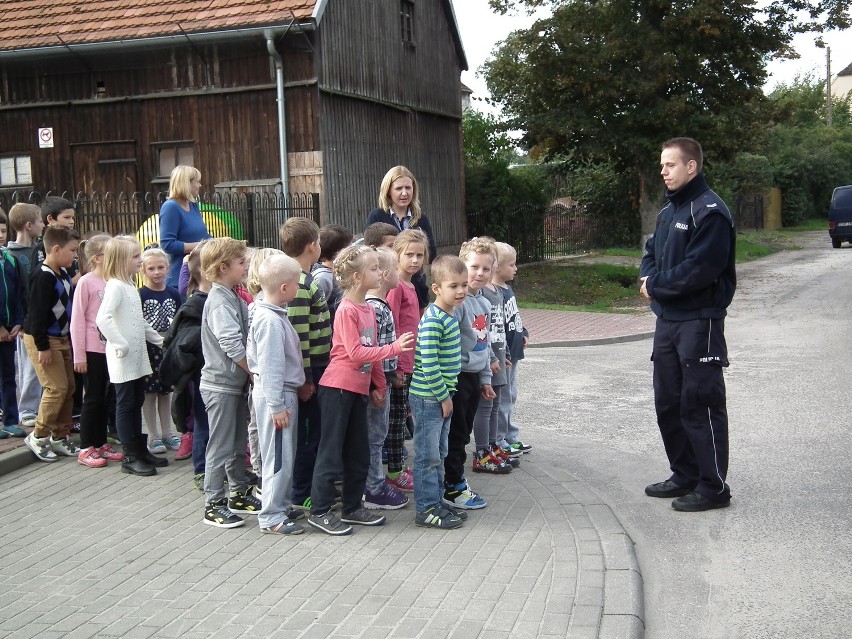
pixel 541 233
pixel 254 217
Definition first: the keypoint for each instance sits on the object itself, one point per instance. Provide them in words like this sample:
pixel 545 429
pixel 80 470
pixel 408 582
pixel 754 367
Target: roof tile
pixel 36 23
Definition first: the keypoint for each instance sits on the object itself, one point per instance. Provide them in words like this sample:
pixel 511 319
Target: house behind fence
pixel 254 217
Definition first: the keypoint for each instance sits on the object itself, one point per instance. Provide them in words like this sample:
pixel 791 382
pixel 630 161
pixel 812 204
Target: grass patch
pixel 753 245
pixel 579 287
pixel 622 252
pixel 817 224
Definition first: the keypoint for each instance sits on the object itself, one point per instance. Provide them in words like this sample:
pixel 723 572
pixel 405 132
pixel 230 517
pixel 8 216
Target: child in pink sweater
pixel 90 359
pixel 349 382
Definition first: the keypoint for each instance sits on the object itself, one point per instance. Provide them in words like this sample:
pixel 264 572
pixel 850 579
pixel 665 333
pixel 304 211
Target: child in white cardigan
pixel 121 322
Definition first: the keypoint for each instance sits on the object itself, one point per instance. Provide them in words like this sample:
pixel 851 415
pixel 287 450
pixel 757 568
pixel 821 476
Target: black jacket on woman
pixel 419 280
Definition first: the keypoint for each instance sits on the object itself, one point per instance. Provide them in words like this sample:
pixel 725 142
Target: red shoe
pixel 404 482
pixel 90 457
pixel 184 451
pixel 109 453
pixel 505 456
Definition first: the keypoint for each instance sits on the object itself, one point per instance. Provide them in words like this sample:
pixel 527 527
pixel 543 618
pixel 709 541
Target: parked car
pixel 840 216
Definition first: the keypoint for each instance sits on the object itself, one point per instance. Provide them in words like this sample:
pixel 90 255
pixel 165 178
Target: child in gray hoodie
pixel 224 384
pixel 275 359
pixel 474 380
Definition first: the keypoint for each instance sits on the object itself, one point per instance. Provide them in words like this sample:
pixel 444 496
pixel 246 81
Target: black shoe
pixel 132 465
pixel 217 514
pixel 666 489
pixel 693 503
pixel 244 503
pixel 145 455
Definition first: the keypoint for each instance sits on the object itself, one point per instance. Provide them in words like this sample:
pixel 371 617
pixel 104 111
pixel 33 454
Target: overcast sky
pixel 481 29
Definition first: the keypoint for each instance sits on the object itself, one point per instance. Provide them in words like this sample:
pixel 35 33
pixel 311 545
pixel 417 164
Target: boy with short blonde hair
pixel 275 360
pixel 224 384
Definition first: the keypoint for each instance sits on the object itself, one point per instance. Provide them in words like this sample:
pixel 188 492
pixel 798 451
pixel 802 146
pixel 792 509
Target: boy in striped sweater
pixel 309 315
pixel 437 363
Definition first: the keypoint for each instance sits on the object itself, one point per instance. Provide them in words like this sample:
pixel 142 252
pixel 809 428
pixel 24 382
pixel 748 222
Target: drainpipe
pixel 282 119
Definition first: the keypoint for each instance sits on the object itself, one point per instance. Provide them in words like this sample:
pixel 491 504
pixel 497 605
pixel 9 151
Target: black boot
pixel 133 464
pixel 146 455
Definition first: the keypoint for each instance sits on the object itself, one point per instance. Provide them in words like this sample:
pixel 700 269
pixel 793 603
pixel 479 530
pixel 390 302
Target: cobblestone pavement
pixel 99 553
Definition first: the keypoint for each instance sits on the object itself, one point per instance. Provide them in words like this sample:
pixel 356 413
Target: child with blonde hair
pixel 90 356
pixel 344 392
pixel 160 304
pixel 122 323
pixel 412 252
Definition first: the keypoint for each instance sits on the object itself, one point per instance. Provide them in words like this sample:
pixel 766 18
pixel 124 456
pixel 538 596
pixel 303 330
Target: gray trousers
pixel 277 447
pixel 506 430
pixel 485 421
pixel 226 448
pixel 28 384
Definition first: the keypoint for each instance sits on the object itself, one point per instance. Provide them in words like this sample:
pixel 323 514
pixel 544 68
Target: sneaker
pixel 217 514
pixel 64 447
pixel 184 451
pixel 41 448
pixel 198 481
pixel 305 505
pixel 461 496
pixel 506 456
pixel 386 498
pixel 329 523
pixel 91 458
pixel 285 527
pixel 75 424
pixel 109 453
pixel 456 511
pixel 404 482
pixel 521 446
pixel 3 434
pixel 156 447
pixel 437 517
pixel 294 514
pixel 485 461
pixel 27 420
pixel 173 442
pixel 363 517
pixel 14 431
pixel 244 503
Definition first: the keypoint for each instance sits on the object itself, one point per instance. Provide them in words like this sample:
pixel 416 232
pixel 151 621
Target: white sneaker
pixel 172 442
pixel 28 420
pixel 64 447
pixel 41 448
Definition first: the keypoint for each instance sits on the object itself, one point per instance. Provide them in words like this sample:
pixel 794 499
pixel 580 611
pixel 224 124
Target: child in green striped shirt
pixel 437 362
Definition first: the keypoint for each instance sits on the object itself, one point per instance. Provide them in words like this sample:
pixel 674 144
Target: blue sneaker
pixel 14 431
pixel 461 496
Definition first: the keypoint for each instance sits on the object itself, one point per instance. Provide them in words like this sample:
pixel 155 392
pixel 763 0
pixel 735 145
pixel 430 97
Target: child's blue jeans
pixel 431 430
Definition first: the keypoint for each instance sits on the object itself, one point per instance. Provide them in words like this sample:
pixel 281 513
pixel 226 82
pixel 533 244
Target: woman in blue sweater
pixel 181 224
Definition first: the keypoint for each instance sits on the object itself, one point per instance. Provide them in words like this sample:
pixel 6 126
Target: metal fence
pixel 539 233
pixel 254 217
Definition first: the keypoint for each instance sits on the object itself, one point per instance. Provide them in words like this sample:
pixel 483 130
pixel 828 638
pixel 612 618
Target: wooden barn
pixel 109 95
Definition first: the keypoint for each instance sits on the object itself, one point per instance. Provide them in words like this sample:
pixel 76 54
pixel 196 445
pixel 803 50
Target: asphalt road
pixel 778 562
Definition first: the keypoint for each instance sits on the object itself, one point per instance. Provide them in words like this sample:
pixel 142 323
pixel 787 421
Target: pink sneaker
pixel 90 457
pixel 184 451
pixel 403 482
pixel 109 453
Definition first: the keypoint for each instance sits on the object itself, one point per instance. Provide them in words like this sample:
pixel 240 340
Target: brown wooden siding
pixel 235 136
pixel 361 141
pixel 361 52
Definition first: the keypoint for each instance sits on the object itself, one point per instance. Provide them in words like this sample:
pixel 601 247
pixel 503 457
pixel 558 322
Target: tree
pixel 609 80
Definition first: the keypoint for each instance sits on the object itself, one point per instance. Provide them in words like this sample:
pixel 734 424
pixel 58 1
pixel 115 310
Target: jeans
pixel 377 432
pixel 8 389
pixel 431 432
pixel 129 397
pixel 343 444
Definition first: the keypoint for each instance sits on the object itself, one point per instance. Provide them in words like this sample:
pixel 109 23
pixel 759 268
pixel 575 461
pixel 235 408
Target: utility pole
pixel 828 85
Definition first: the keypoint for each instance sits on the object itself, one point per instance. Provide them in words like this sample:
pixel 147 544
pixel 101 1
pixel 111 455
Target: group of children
pixel 252 355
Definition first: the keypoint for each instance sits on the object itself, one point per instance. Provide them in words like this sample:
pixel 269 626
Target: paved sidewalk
pixel 128 556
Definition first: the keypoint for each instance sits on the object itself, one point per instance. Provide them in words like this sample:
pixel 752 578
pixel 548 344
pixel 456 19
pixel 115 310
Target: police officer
pixel 688 275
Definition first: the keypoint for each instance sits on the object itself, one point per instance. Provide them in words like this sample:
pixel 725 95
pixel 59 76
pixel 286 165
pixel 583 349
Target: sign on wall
pixel 45 138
